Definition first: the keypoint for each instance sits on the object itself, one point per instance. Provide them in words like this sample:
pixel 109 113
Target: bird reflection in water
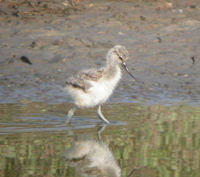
pixel 92 158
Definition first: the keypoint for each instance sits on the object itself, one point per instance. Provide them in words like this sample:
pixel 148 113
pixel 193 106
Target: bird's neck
pixel 114 66
pixel 111 62
pixel 113 69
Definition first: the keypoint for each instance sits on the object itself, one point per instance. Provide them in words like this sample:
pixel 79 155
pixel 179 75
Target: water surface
pixel 154 140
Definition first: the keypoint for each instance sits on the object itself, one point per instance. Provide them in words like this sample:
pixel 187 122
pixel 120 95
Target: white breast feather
pixel 97 94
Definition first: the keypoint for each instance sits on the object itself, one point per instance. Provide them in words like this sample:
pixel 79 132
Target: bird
pixel 93 87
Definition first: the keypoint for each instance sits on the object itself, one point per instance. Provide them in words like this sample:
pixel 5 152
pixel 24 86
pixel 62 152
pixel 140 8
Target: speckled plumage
pixel 93 87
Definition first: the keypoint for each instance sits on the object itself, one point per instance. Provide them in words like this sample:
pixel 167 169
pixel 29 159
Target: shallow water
pixel 154 140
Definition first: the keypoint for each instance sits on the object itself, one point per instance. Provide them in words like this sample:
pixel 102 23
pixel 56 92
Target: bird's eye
pixel 121 59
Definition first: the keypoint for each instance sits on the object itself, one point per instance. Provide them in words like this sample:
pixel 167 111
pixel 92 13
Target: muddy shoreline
pixel 60 40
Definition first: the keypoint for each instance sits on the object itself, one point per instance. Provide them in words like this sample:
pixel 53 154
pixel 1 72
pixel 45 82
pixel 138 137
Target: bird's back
pixel 82 80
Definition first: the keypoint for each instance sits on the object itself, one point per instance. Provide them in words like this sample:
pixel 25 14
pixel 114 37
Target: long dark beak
pixel 125 67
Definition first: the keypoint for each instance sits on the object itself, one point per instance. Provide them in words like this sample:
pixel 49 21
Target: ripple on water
pixel 153 139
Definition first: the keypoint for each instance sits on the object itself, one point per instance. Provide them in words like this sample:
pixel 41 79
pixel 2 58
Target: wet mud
pixel 58 40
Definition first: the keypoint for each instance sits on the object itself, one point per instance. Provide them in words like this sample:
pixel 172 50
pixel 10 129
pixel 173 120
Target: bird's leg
pixel 70 114
pixel 99 113
pixel 101 130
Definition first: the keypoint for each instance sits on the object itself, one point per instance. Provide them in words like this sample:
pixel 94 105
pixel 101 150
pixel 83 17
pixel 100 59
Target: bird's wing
pixel 78 82
pixel 83 79
pixel 92 74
